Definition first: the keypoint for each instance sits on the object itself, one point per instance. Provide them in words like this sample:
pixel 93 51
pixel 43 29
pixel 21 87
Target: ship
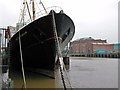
pixel 38 43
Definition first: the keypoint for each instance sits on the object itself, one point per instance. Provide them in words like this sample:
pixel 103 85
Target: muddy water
pixel 82 73
pixel 94 73
pixel 35 80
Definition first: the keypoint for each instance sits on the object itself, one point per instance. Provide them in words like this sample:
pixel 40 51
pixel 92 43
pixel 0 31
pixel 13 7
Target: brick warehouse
pixel 103 46
pixel 90 45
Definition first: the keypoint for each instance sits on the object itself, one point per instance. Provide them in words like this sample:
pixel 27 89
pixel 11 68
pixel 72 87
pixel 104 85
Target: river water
pixel 83 72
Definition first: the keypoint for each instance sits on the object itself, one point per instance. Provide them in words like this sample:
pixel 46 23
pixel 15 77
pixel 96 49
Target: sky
pixel 92 18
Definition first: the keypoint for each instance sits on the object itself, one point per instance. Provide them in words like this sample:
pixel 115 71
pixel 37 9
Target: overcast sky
pixel 92 18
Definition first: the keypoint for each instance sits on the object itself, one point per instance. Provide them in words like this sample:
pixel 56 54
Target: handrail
pixel 43 13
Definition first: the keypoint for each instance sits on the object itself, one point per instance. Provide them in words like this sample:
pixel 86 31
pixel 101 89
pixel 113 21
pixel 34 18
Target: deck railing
pixel 39 14
pixel 43 12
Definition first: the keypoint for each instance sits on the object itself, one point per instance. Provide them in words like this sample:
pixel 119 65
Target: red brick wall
pixel 108 47
pixel 75 47
pixel 86 46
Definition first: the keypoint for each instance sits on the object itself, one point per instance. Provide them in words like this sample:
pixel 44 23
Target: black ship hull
pixel 38 43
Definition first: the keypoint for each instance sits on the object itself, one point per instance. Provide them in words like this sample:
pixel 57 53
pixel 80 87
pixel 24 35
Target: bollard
pixel 66 60
pixel 118 55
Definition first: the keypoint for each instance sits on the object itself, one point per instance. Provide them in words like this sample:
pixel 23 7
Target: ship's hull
pixel 38 42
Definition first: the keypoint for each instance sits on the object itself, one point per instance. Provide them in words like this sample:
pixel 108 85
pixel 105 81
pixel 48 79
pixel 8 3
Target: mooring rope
pixel 58 48
pixel 23 73
pixel 59 51
pixel 67 76
pixel 62 75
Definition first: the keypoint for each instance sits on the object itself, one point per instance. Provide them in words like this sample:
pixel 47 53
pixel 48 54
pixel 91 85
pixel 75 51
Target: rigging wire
pixel 19 19
pixel 28 9
pixel 38 8
pixel 43 7
pixel 23 72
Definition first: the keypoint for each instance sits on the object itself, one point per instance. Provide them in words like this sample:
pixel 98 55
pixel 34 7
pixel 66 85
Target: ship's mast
pixel 33 9
pixel 32 14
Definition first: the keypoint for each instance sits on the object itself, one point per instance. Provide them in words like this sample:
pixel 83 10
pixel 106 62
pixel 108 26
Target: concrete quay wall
pixel 96 55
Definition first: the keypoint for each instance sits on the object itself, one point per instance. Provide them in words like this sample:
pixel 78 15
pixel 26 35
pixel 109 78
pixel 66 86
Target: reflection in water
pixel 36 80
pixel 33 81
